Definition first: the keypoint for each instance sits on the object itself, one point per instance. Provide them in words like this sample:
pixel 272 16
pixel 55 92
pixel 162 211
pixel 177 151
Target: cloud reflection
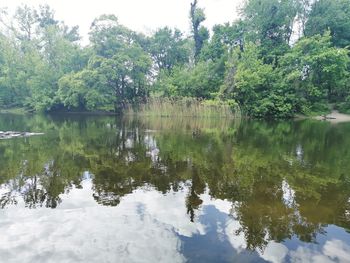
pixel 146 226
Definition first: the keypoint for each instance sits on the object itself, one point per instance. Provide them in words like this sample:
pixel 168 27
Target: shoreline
pixel 334 117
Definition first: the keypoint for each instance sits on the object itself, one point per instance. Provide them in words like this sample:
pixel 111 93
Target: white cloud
pixel 337 250
pixel 333 250
pixel 274 252
pixel 237 241
pixel 307 255
pixel 80 230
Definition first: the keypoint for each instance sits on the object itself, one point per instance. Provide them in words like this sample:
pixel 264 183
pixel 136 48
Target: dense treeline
pixel 258 62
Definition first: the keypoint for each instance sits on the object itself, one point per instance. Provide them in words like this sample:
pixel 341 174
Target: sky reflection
pixel 147 226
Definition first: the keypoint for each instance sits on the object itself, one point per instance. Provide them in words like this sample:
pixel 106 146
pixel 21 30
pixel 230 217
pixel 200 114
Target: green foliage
pixel 317 72
pixel 333 15
pixel 223 40
pixel 38 52
pixel 168 49
pixel 108 83
pixel 270 22
pixel 201 81
pixel 344 106
pixel 309 76
pixel 255 61
pixel 270 78
pixel 200 33
pixel 76 91
pixel 108 36
pixel 257 86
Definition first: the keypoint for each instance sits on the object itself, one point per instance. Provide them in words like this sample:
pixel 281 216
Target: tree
pixel 27 19
pixel 168 49
pixel 270 23
pixel 108 36
pixel 38 51
pixel 317 72
pixel 200 33
pixel 333 15
pixel 46 16
pixel 201 81
pixel 82 91
pixel 122 63
pixel 304 9
pixel 108 83
pixel 255 61
pixel 13 90
pixel 256 86
pixel 225 38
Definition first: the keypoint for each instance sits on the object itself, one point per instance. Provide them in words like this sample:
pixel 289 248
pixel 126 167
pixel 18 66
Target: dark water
pixel 101 189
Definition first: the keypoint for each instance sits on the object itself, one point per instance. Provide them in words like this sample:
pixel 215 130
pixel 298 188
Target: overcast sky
pixel 139 15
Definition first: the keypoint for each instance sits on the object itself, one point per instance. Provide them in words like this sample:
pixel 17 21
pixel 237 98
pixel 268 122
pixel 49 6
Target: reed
pixel 184 107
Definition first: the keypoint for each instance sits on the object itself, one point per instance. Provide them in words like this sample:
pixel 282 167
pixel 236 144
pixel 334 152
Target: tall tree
pixel 225 38
pixel 333 15
pixel 270 23
pixel 304 9
pixel 27 19
pixel 38 51
pixel 108 36
pixel 168 48
pixel 200 33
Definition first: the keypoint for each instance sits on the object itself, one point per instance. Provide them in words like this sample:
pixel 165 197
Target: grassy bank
pixel 185 107
pixel 19 111
pixel 162 107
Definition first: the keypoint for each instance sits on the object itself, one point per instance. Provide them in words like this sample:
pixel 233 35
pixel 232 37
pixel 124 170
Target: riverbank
pixel 334 117
pixel 185 108
pixel 159 107
pixel 19 111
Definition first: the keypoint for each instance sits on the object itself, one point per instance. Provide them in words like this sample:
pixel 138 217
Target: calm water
pixel 101 189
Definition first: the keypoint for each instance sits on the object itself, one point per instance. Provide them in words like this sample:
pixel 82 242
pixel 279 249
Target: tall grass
pixel 184 107
pixel 183 125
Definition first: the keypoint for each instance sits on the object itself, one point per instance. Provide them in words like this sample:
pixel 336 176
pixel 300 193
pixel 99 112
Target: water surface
pixel 102 189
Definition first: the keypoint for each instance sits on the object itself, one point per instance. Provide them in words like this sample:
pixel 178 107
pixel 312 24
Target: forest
pixel 281 58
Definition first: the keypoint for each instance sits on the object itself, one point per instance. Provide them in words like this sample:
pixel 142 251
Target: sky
pixel 140 15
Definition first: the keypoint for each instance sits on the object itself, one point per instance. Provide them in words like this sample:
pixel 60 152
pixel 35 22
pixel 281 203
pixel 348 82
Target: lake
pixel 105 189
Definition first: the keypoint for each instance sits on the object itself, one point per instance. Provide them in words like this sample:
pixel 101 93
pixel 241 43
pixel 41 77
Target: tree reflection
pixel 284 179
pixel 193 200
